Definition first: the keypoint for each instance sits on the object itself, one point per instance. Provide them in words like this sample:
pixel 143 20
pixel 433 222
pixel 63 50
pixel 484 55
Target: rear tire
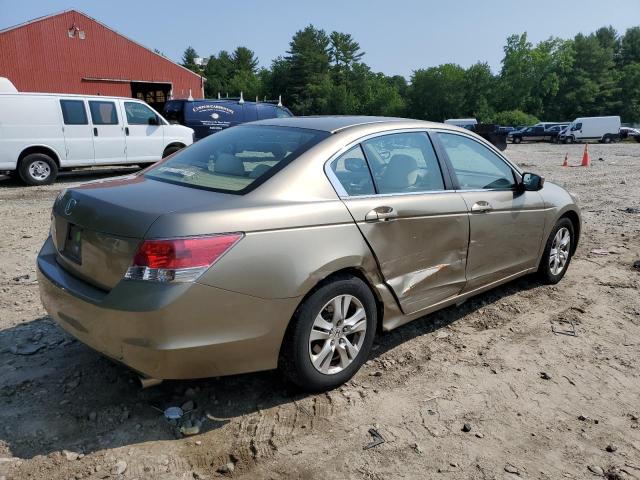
pixel 606 139
pixel 517 140
pixel 316 353
pixel 170 151
pixel 37 169
pixel 557 254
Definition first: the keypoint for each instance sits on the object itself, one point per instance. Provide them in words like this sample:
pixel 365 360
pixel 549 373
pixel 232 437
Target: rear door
pixel 416 227
pixel 144 133
pixel 506 224
pixel 78 135
pixel 108 132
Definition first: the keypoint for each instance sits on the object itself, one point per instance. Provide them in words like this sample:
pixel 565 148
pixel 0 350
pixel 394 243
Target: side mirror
pixel 531 182
pixel 153 121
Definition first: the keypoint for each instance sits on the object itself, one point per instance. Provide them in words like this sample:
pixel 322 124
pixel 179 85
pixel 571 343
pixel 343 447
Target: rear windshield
pixel 238 159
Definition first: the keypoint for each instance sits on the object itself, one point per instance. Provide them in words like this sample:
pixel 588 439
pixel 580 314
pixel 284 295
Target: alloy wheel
pixel 337 334
pixel 559 253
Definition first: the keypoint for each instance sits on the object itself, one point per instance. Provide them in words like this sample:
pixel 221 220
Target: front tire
pixel 38 169
pixel 517 140
pixel 557 253
pixel 330 335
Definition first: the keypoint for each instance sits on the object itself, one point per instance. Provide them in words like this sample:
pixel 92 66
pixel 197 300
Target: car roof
pixel 335 123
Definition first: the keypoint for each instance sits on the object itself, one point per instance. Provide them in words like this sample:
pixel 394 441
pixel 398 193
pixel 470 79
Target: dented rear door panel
pixel 422 252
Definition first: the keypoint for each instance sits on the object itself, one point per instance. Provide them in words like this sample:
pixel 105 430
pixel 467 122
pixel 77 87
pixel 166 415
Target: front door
pixel 78 135
pixel 108 132
pixel 417 229
pixel 144 133
pixel 506 225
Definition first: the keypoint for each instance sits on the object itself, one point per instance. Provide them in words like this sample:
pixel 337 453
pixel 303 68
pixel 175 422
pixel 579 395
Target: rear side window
pixel 475 166
pixel 352 172
pixel 103 113
pixel 73 112
pixel 139 114
pixel 404 163
pixel 236 160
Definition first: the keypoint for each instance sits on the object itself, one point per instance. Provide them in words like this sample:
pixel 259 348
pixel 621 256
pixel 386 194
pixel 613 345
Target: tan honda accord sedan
pixel 288 243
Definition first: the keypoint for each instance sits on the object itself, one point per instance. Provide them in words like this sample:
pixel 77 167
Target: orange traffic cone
pixel 585 157
pixel 566 160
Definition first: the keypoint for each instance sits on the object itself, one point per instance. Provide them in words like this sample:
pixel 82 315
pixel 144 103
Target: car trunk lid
pixel 98 227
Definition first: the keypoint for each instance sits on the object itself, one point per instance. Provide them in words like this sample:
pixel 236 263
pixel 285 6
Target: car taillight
pixel 179 259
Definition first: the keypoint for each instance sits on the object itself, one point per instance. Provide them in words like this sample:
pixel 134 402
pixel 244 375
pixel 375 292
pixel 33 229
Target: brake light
pixel 179 259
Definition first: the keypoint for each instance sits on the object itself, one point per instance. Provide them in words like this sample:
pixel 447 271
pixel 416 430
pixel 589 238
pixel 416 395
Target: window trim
pixel 517 173
pixel 342 193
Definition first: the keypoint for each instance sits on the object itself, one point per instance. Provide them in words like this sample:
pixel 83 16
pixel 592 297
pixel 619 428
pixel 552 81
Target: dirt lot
pixel 538 404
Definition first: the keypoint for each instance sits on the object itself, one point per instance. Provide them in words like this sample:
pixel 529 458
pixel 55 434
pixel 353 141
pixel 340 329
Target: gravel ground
pixel 481 391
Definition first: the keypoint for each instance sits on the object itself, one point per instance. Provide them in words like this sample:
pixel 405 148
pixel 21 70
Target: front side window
pixel 73 112
pixel 103 113
pixel 403 163
pixel 236 160
pixel 352 172
pixel 475 166
pixel 139 114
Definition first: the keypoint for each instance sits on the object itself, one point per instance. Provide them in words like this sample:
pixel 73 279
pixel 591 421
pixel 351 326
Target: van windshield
pixel 236 160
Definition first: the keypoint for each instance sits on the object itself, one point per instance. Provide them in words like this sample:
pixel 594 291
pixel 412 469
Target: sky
pixel 398 36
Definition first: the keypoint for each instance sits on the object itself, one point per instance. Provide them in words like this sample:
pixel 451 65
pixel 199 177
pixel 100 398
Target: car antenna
pixel 279 100
pixel 241 101
pixel 257 99
pixel 218 95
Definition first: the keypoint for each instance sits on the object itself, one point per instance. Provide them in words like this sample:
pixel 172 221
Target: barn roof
pixel 70 10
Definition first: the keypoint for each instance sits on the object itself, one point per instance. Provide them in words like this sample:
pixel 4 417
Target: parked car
pixel 603 129
pixel 468 123
pixel 530 134
pixel 288 243
pixel 552 133
pixel 41 133
pixel 211 116
pixel 537 133
pixel 629 132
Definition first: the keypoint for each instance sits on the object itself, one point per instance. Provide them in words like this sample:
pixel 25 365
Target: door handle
pixel 126 131
pixel 481 207
pixel 380 214
pixel 95 131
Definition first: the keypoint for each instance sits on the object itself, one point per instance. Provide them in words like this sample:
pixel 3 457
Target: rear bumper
pixel 167 331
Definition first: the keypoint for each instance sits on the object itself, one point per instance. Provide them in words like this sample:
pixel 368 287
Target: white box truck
pixel 603 129
pixel 41 133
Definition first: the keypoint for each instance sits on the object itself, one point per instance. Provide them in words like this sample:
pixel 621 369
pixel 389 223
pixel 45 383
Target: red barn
pixel 70 52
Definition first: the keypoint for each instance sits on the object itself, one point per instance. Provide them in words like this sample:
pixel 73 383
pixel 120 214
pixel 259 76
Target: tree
pixel 479 91
pixel 218 71
pixel 308 69
pixel 437 93
pixel 630 46
pixel 344 50
pixel 630 93
pixel 514 118
pixel 189 59
pixel 244 60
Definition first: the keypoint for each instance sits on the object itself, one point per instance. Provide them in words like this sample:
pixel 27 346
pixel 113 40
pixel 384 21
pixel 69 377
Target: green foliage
pixel 189 59
pixel 555 79
pixel 513 118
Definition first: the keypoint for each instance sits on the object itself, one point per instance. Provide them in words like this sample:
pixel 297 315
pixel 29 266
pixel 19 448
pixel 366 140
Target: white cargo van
pixel 468 123
pixel 603 129
pixel 42 133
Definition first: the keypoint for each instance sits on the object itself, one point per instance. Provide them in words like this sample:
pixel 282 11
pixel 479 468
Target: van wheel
pixel 606 139
pixel 38 169
pixel 568 140
pixel 170 151
pixel 330 335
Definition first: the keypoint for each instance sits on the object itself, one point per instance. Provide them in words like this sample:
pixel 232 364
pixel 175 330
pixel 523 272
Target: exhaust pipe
pixel 147 382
